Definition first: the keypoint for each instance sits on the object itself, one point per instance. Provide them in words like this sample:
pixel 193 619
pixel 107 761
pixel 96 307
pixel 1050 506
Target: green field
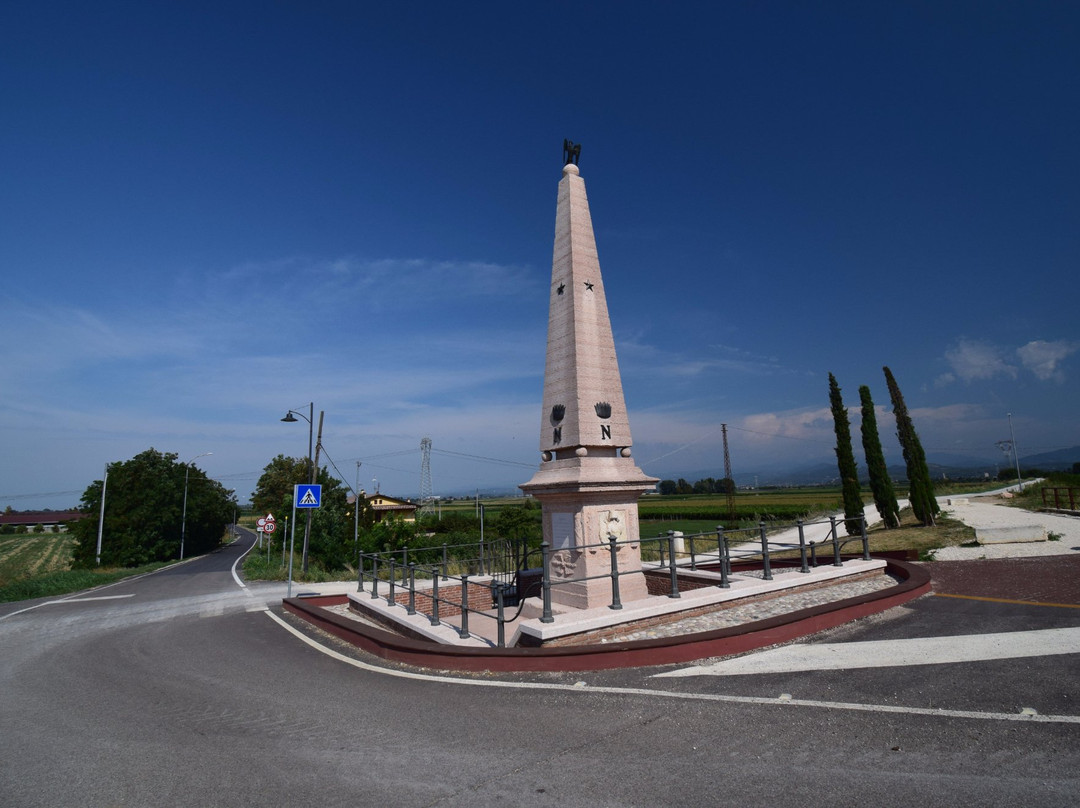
pixel 38 565
pixel 29 554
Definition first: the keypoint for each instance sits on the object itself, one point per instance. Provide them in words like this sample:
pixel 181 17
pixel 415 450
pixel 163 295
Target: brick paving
pixel 1045 579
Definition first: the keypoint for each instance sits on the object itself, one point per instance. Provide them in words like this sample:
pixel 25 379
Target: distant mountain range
pixel 941 465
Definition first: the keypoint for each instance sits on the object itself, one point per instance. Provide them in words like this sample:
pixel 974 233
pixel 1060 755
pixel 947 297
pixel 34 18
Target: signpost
pixel 304 496
pixel 265 524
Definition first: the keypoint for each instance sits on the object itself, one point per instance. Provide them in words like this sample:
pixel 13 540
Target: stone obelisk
pixel 587 482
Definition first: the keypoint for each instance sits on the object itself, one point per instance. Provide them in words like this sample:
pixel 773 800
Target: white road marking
pixel 85 600
pixel 236 577
pixel 894 653
pixel 582 687
pixel 66 600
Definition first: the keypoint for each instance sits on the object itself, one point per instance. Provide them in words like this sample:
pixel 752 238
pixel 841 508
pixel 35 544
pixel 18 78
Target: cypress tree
pixel 845 461
pixel 880 482
pixel 921 489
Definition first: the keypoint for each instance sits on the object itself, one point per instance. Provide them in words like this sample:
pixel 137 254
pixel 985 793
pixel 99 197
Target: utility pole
pixel 356 510
pixel 729 485
pixel 1016 455
pixel 314 475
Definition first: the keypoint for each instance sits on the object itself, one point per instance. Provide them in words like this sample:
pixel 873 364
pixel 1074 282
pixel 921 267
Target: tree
pixel 880 482
pixel 519 523
pixel 667 487
pixel 683 487
pixel 845 461
pixel 920 487
pixel 144 512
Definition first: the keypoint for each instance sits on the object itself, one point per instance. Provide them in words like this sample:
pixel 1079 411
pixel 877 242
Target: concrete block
pixel 1010 535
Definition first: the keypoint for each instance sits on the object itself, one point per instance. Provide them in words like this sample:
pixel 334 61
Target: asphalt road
pixel 182 688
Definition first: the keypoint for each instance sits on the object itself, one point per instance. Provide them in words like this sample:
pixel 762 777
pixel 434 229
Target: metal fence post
pixel 674 573
pixel 722 555
pixel 865 541
pixel 802 547
pixel 545 552
pixel 500 616
pixel 463 632
pixel 374 577
pixel 693 560
pixel 393 579
pixel 435 597
pixel 765 564
pixel 835 543
pixel 616 602
pixel 360 573
pixel 412 590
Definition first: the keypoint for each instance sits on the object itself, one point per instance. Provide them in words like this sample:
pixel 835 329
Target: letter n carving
pixel 605 431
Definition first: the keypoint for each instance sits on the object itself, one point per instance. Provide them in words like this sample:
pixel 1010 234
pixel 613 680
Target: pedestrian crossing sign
pixel 307 496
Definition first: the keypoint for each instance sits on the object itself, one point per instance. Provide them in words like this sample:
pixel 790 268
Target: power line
pixel 481 459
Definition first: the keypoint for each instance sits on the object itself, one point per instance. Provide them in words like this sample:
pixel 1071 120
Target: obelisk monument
pixel 587 482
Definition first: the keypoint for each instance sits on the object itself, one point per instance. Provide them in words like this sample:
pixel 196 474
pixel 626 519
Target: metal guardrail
pixel 1061 494
pixel 498 572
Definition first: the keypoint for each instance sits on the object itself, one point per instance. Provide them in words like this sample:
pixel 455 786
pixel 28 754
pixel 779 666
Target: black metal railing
pixel 486 580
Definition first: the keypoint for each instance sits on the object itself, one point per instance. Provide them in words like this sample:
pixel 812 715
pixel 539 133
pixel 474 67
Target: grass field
pixel 38 565
pixel 29 554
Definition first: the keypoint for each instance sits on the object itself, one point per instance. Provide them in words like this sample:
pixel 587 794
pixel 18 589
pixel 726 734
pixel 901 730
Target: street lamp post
pixel 310 418
pixel 101 516
pixel 183 518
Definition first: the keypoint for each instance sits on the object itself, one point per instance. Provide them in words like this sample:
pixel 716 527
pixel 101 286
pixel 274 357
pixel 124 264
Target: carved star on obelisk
pixel 561 289
pixel 588 286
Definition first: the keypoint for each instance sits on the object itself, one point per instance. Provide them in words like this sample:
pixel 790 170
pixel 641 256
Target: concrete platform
pixel 439 647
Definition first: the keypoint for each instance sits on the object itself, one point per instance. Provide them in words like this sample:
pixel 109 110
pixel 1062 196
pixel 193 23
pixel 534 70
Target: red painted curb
pixel 633 654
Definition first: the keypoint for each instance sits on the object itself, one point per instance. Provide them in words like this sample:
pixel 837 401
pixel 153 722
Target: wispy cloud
pixel 972 360
pixel 383 283
pixel 1044 358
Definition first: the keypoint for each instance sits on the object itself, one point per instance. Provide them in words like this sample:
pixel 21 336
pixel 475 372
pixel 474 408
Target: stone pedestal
pixel 584 506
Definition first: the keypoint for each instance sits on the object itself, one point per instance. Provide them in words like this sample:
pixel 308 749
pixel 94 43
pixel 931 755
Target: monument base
pixel 585 505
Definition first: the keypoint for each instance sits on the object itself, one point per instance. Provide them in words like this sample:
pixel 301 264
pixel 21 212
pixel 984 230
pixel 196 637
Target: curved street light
pixel 183 518
pixel 290 418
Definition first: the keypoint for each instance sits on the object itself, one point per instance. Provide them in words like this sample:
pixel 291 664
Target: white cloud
pixel 971 360
pixel 1042 358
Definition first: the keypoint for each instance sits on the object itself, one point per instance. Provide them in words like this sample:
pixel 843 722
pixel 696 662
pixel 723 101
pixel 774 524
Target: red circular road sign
pixel 269 527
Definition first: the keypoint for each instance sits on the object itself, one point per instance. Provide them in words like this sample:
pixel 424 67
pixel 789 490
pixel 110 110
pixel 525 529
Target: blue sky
pixel 214 212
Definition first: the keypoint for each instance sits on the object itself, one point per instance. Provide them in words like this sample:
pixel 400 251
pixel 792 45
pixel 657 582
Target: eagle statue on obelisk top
pixel 587 482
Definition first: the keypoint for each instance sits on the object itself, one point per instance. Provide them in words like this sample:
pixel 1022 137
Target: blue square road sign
pixel 307 496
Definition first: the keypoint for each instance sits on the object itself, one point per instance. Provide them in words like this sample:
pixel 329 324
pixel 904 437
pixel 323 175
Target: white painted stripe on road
pixel 581 687
pixel 894 653
pixel 68 600
pixel 86 600
pixel 236 577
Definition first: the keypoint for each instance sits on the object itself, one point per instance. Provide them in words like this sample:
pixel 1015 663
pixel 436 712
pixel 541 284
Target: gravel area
pixel 764 609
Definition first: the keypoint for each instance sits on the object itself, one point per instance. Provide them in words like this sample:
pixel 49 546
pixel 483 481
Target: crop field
pixel 28 555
